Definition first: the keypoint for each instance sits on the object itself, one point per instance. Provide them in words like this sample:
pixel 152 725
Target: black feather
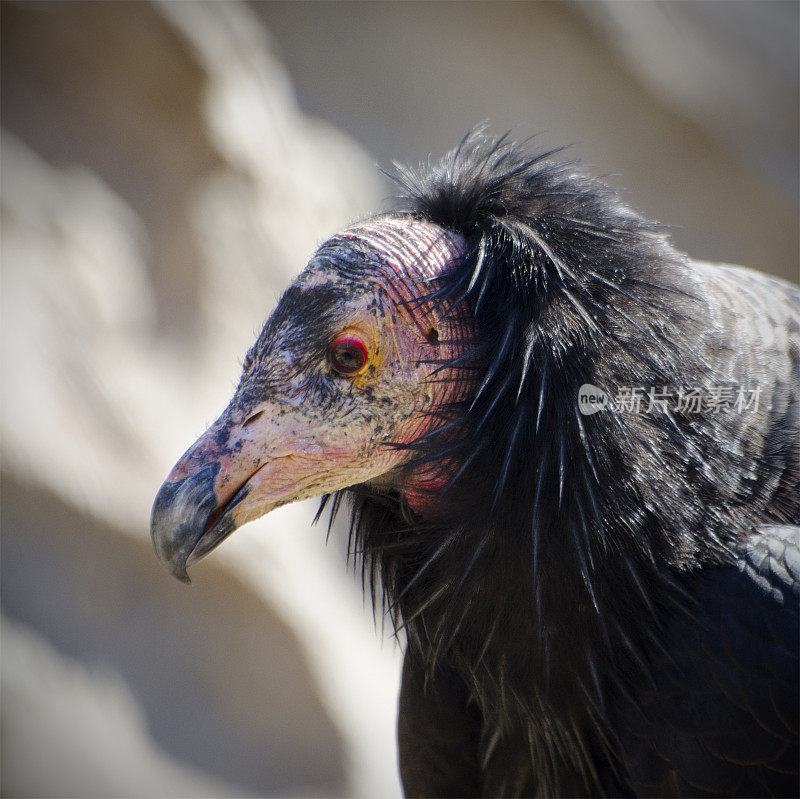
pixel 566 547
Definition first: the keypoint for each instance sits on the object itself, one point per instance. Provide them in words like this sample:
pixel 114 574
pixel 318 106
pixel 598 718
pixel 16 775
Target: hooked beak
pixel 237 470
pixel 183 527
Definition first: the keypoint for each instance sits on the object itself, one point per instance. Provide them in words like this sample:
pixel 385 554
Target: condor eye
pixel 348 354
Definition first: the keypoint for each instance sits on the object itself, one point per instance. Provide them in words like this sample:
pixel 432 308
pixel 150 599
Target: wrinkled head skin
pixel 343 372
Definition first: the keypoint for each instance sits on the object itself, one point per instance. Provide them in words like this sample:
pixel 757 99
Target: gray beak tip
pixel 180 513
pixel 178 570
pixel 171 558
pixel 182 577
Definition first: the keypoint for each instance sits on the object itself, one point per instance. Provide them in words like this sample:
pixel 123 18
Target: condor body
pixel 593 604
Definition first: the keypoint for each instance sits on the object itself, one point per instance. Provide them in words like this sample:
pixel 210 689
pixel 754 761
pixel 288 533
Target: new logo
pixel 591 399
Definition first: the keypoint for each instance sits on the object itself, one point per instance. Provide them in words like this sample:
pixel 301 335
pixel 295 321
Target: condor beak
pixel 240 468
pixel 181 526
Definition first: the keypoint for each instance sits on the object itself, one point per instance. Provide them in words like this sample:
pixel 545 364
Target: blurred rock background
pixel 166 168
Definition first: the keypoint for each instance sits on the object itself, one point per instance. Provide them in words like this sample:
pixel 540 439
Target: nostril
pixel 252 419
pixel 432 335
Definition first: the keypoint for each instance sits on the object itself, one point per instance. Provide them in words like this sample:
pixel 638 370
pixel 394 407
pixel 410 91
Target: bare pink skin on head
pixel 416 253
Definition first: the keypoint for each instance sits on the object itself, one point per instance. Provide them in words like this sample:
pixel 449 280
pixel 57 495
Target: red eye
pixel 348 354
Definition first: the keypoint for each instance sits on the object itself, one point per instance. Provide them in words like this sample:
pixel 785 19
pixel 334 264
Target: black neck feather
pixel 556 527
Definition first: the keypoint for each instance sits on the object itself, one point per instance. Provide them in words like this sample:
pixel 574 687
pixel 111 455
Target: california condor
pixel 570 455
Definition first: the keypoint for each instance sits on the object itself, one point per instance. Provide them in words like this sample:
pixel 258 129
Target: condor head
pixel 353 364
